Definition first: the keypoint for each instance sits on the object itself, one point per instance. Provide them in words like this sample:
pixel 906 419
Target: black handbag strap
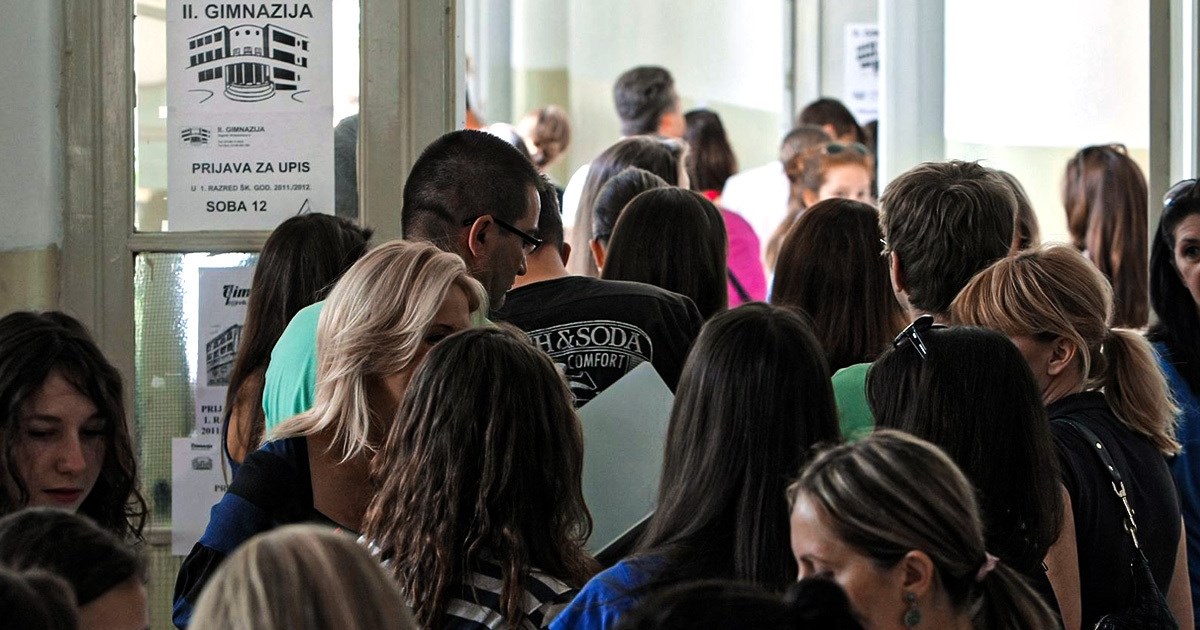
pixel 1107 463
pixel 737 286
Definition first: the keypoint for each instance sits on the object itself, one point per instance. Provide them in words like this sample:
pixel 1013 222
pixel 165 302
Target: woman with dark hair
pixel 893 521
pixel 298 265
pixel 710 162
pixel 691 262
pixel 1057 308
pixel 753 399
pixel 829 267
pixel 616 193
pixel 66 439
pixel 813 604
pixel 1104 194
pixel 970 392
pixel 107 577
pixel 661 156
pixel 1175 296
pixel 479 512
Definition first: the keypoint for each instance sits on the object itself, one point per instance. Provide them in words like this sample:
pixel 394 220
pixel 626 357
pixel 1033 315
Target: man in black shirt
pixel 595 330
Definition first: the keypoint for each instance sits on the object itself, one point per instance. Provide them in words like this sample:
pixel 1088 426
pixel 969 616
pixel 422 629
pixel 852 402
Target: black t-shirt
pixel 598 330
pixel 1105 550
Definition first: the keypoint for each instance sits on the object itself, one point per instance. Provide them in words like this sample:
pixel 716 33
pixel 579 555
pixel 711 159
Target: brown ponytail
pixel 1136 390
pixel 1007 602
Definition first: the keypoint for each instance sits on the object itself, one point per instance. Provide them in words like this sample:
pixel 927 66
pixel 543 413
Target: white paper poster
pixel 861 81
pixel 221 313
pixel 249 113
pixel 197 483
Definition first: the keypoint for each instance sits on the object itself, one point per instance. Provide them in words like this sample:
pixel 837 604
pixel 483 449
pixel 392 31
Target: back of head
pixel 1054 292
pixel 616 194
pixel 549 131
pixel 90 559
pixel 1178 323
pixel 890 494
pixel 753 397
pixel 298 266
pixel 36 600
pixel 301 577
pixel 371 326
pixel 641 96
pixel 945 221
pixel 481 465
pixel 32 346
pixel 831 112
pixel 800 140
pixel 550 224
pixel 718 604
pixel 974 396
pixel 829 267
pixel 690 262
pixel 710 159
pixel 1104 193
pixel 1027 233
pixel 460 176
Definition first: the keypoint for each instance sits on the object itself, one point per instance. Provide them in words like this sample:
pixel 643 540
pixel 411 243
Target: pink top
pixel 744 261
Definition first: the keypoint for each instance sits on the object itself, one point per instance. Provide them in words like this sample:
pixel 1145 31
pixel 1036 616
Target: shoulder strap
pixel 1107 463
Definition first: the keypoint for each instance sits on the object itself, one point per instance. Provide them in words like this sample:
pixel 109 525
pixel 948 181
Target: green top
pixel 850 391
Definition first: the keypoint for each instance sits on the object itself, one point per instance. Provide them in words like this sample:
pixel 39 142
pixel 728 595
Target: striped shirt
pixel 475 604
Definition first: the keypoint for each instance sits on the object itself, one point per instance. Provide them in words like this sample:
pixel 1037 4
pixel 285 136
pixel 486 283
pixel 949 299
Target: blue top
pixel 1186 466
pixel 604 598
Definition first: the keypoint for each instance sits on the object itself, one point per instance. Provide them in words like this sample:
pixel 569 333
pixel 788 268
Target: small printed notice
pixel 861 81
pixel 197 483
pixel 224 294
pixel 250 113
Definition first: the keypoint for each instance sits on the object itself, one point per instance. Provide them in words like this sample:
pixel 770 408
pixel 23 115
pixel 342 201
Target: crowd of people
pixel 903 414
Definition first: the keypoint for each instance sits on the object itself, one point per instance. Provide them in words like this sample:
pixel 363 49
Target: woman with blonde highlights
pixel 1056 307
pixel 301 577
pixel 894 522
pixel 383 316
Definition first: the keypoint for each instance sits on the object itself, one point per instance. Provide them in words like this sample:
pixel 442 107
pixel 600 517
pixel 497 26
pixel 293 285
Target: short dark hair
pixel 807 605
pixel 830 111
pixel 946 221
pixel 974 396
pixel 710 159
pixel 92 560
pixel 616 194
pixel 32 345
pixel 462 175
pixel 642 95
pixel 36 599
pixel 673 239
pixel 829 267
pixel 550 224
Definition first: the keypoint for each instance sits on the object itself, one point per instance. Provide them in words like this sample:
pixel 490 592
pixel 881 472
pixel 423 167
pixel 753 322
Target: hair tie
pixel 987 567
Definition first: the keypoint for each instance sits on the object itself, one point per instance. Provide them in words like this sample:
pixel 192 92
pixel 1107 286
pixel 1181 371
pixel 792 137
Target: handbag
pixel 1149 608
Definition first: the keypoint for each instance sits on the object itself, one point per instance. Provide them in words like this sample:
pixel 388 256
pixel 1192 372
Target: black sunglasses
pixel 834 148
pixel 530 241
pixel 1186 189
pixel 912 334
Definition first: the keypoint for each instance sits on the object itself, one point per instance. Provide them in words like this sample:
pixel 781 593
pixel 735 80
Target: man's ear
pixel 1062 357
pixel 598 253
pixel 479 238
pixel 564 252
pixel 896 269
pixel 918 573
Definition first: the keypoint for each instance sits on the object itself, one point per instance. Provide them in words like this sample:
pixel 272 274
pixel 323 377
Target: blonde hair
pixel 372 326
pixel 892 493
pixel 301 577
pixel 1056 291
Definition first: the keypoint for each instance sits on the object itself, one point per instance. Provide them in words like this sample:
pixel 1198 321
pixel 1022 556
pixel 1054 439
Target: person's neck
pixel 938 318
pixel 1061 387
pixel 541 267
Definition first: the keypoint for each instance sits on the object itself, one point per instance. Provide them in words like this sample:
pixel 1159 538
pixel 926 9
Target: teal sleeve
pixel 850 391
pixel 292 374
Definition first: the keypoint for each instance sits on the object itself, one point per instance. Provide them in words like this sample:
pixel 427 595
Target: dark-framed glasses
pixel 529 242
pixel 912 335
pixel 1186 189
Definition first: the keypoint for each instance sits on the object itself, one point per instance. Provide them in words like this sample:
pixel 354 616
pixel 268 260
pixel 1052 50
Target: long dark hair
pixel 829 267
pixel 753 398
pixel 298 265
pixel 485 456
pixel 974 396
pixel 674 239
pixel 32 345
pixel 710 159
pixel 1178 325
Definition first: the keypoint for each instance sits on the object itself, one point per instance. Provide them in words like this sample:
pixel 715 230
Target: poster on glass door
pixel 861 66
pixel 249 113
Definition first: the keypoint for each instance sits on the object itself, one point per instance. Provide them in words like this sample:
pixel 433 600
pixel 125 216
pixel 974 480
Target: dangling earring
pixel 912 616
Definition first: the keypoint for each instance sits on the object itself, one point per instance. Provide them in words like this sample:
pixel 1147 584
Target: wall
pixel 31 173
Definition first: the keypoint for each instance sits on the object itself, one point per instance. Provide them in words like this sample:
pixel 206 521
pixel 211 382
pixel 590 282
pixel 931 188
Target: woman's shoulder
pixel 606 596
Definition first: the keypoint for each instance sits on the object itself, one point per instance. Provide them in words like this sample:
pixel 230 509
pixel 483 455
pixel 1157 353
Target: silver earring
pixel 912 616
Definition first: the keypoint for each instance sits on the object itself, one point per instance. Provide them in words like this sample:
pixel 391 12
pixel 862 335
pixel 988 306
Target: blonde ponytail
pixel 1136 390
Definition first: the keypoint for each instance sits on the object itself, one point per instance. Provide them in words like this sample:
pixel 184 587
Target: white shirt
pixel 760 195
pixel 571 195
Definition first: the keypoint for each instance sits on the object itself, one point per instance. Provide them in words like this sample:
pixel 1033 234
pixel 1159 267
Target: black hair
pixel 710 160
pixel 642 95
pixel 753 398
pixel 1178 326
pixel 830 111
pixel 616 194
pixel 673 239
pixel 32 346
pixel 36 600
pixel 550 225
pixel 462 175
pixel 92 560
pixel 974 396
pixel 815 604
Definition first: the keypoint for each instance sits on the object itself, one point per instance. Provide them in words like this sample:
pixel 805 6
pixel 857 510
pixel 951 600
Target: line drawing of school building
pixel 253 61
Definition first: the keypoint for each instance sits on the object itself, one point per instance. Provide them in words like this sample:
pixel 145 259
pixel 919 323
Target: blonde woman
pixel 378 323
pixel 1057 308
pixel 301 577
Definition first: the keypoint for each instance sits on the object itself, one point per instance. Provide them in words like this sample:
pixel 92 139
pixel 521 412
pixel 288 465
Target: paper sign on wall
pixel 861 84
pixel 250 111
pixel 197 482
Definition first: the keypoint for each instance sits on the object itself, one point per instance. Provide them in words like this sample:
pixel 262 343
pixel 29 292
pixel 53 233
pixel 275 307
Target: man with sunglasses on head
pixel 942 223
pixel 469 193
